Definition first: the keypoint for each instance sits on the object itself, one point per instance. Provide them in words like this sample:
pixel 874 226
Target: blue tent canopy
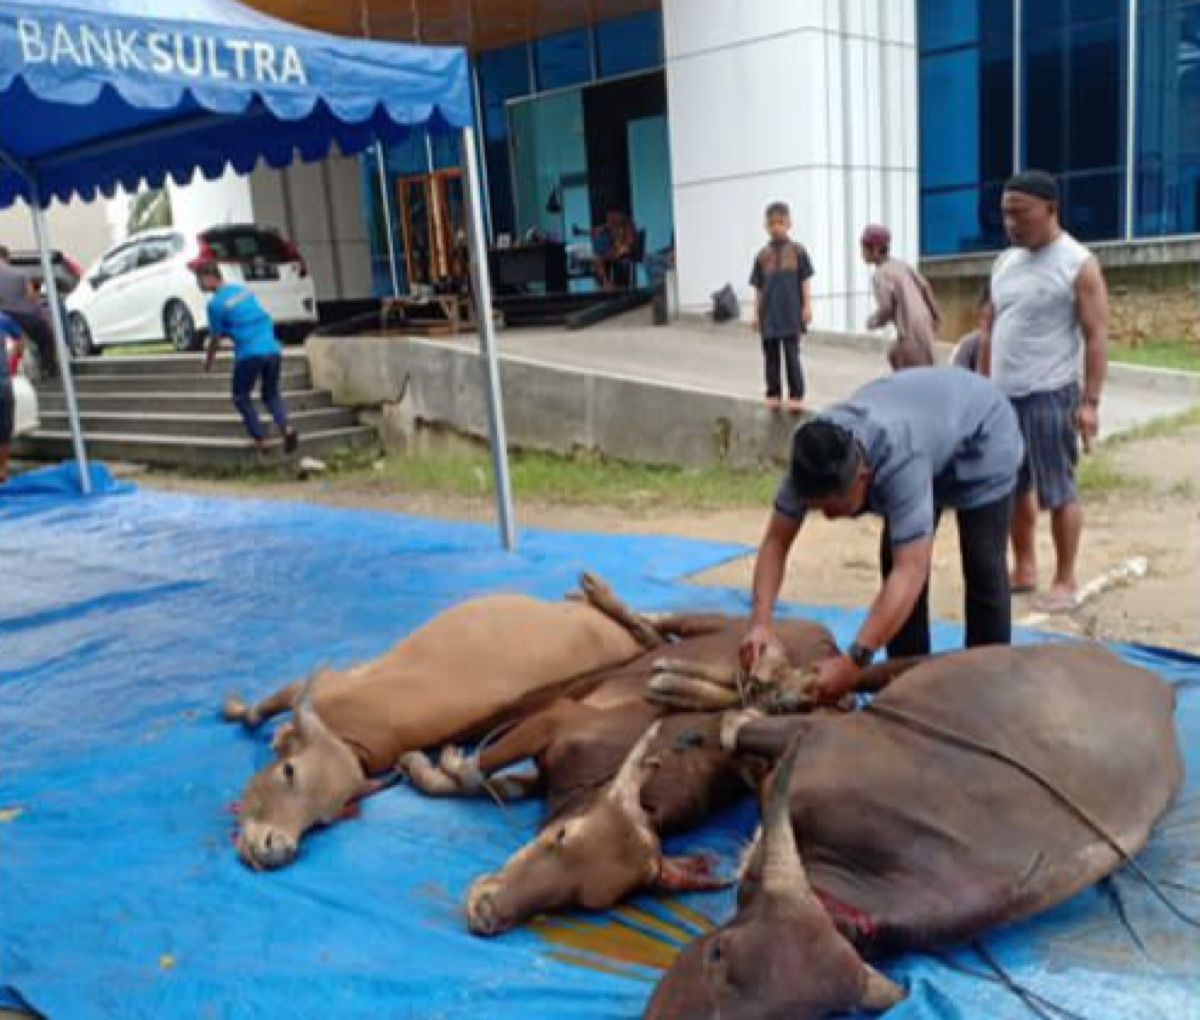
pixel 100 93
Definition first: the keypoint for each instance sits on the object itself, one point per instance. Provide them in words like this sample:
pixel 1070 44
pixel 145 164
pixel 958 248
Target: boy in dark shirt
pixel 782 305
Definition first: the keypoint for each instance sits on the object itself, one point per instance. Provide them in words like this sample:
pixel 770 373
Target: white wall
pixel 80 229
pixel 320 207
pixel 809 101
pixel 203 204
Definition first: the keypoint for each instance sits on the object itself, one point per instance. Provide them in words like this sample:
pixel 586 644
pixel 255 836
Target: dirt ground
pixel 1157 517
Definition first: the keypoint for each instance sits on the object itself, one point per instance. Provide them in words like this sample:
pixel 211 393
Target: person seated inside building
pixel 613 243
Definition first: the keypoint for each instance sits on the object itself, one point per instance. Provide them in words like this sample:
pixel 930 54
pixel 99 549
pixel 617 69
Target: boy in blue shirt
pixel 235 313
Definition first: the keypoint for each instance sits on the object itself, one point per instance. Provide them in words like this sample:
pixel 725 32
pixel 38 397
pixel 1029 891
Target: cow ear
pixel 308 724
pixel 880 993
pixel 691 873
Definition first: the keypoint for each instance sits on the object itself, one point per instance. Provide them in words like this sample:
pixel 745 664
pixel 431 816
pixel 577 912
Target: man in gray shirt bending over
pixel 904 447
pixel 1050 306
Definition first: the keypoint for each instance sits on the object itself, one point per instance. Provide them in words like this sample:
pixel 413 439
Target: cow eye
pixel 289 772
pixel 561 839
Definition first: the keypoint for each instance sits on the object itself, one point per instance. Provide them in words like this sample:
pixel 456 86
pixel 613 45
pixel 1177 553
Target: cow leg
pixel 252 716
pixel 459 775
pixel 600 596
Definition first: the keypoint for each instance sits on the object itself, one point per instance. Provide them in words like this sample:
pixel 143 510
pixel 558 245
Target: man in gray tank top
pixel 1050 313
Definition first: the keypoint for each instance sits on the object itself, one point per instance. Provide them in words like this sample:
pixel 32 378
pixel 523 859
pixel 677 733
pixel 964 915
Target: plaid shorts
pixel 1048 426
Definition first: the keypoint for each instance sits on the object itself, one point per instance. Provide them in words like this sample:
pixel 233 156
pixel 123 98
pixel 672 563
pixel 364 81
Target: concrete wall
pixel 1154 289
pixel 809 101
pixel 81 229
pixel 421 384
pixel 320 207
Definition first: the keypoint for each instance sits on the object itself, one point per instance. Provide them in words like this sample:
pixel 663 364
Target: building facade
pixel 693 115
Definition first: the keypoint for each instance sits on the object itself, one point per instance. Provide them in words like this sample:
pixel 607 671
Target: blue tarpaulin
pixel 125 620
pixel 100 93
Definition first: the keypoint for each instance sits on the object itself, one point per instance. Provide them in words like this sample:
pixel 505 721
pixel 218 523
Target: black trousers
pixel 789 348
pixel 983 545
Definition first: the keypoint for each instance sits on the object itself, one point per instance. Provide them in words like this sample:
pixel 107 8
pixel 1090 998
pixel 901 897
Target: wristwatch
pixel 860 655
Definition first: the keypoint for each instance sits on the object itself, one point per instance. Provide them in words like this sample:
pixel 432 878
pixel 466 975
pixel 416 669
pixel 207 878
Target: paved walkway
pixel 727 359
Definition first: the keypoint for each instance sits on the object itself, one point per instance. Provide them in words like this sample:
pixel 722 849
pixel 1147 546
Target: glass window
pixel 1074 75
pixel 563 59
pixel 962 219
pixel 629 44
pixel 966 115
pixel 1167 181
pixel 503 75
pixel 943 24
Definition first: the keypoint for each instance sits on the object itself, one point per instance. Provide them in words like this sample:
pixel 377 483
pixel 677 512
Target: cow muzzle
pixel 265 847
pixel 484 915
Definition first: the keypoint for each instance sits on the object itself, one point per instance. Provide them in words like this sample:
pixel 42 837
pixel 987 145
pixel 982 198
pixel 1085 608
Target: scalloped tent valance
pixel 97 94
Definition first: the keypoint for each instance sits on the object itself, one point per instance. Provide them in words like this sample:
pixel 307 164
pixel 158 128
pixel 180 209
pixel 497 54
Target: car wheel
pixel 294 332
pixel 180 327
pixel 79 335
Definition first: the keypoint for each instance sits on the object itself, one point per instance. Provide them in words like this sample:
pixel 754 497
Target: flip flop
pixel 1056 603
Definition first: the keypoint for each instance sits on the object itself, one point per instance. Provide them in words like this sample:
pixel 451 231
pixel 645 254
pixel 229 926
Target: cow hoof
pixel 483 915
pixel 464 770
pixel 425 776
pixel 732 723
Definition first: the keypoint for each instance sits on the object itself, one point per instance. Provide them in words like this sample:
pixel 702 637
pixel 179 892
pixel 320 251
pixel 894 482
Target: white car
pixel 143 289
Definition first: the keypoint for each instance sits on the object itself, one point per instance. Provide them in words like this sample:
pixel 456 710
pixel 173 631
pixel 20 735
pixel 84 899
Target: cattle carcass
pixel 980 788
pixel 610 794
pixel 472 666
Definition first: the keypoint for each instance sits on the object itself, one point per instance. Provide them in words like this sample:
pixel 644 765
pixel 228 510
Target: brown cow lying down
pixel 600 840
pixel 466 669
pixel 921 822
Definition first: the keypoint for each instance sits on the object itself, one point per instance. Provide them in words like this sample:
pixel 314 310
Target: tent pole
pixel 385 199
pixel 60 338
pixel 487 341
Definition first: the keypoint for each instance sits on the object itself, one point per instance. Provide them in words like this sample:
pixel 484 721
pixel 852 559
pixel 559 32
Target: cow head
pixel 592 859
pixel 312 781
pixel 781 956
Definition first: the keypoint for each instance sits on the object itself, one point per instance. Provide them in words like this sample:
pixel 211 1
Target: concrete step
pixel 228 425
pixel 167 364
pixel 52 400
pixel 177 451
pixel 292 378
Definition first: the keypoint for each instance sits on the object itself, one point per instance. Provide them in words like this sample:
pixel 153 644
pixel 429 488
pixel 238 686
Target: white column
pixel 813 102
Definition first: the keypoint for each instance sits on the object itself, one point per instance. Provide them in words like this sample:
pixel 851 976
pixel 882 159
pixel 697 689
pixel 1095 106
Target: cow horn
pixel 782 870
pixel 626 786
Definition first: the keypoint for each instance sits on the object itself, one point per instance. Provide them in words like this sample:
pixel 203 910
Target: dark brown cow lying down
pixel 451 679
pixel 600 841
pixel 900 838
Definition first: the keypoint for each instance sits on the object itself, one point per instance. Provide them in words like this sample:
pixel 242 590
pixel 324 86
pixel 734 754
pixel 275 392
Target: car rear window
pixel 245 245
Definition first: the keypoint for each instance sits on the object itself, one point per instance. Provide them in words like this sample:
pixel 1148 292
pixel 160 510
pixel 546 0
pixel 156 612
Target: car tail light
pixel 292 254
pixel 75 268
pixel 206 255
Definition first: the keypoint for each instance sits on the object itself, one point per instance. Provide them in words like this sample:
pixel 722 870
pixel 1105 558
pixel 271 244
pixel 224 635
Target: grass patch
pixel 1171 425
pixel 539 478
pixel 582 481
pixel 137 350
pixel 1098 475
pixel 1176 354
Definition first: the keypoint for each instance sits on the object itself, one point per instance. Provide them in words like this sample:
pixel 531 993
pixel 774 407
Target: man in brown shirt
pixel 903 297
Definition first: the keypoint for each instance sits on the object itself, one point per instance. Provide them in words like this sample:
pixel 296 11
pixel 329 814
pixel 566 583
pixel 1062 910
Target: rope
pixel 967 743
